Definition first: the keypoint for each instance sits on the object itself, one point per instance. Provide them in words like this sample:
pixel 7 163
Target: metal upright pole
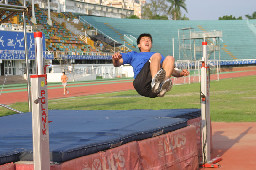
pixel 179 42
pixel 173 47
pixel 219 63
pixel 26 58
pixel 38 53
pixel 194 50
pixel 40 128
pixel 189 80
pixel 205 114
pixel 205 110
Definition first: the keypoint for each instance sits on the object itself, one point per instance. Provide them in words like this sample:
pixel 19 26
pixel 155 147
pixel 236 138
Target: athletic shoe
pixel 157 80
pixel 165 87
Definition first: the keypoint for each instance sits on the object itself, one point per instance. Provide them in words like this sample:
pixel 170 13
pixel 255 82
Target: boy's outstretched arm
pixel 180 73
pixel 117 59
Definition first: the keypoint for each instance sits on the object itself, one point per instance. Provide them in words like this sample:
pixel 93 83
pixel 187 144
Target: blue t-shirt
pixel 138 60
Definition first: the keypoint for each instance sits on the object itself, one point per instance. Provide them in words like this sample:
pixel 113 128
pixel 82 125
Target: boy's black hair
pixel 144 35
pixel 63 72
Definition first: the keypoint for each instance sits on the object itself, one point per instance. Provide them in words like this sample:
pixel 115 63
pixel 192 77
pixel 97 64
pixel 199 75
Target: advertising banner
pixel 12 46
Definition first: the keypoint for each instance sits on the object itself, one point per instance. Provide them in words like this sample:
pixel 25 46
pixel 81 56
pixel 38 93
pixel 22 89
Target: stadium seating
pixel 238 41
pixel 58 38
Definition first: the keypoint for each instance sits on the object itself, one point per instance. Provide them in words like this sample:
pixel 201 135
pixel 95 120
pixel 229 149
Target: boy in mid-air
pixel 152 71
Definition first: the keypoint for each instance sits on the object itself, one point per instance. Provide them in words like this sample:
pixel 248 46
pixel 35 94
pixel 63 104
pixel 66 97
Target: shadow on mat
pixel 223 143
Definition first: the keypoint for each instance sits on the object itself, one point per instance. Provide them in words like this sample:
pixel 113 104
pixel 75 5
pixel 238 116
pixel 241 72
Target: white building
pixel 108 8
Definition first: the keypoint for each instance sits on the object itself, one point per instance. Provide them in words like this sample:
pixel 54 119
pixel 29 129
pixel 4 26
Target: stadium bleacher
pixel 238 41
pixel 58 38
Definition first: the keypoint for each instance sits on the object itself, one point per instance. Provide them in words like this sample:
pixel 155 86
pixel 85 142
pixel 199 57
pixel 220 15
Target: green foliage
pixel 175 8
pixel 158 17
pixel 155 9
pixel 161 9
pixel 253 16
pixel 184 17
pixel 133 17
pixel 231 100
pixel 230 17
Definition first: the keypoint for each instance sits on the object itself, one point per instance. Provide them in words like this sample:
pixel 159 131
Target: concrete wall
pixel 56 77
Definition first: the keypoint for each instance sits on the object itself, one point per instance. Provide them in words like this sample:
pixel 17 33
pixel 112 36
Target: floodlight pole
pixel 26 57
pixel 33 18
pixel 41 155
pixel 205 113
pixel 49 21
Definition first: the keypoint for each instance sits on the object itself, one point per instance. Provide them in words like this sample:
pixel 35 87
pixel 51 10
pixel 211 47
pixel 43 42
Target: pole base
pixel 212 163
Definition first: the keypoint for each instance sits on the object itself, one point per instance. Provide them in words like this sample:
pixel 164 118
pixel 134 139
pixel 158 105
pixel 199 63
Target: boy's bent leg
pixel 158 75
pixel 168 66
pixel 155 61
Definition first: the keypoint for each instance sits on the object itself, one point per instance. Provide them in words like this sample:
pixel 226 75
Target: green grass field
pixel 231 100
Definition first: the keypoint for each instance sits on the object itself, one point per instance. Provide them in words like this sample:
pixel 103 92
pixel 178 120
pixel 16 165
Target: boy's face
pixel 145 44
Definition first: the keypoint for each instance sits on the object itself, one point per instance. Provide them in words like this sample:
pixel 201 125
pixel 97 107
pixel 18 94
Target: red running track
pixel 9 98
pixel 122 85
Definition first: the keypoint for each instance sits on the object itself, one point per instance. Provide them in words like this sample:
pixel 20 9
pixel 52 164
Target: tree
pixel 133 17
pixel 154 9
pixel 230 17
pixel 175 8
pixel 184 17
pixel 253 16
pixel 158 17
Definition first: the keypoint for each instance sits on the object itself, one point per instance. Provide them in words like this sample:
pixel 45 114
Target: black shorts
pixel 142 82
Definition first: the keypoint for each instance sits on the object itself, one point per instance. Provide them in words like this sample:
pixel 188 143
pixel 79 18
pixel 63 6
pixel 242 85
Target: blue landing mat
pixel 78 133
